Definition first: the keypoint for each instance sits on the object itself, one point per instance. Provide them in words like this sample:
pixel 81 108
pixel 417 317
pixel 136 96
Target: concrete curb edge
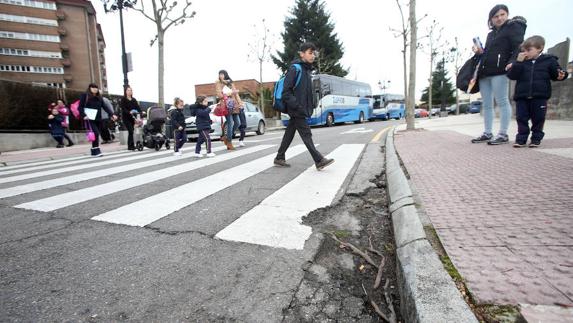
pixel 427 292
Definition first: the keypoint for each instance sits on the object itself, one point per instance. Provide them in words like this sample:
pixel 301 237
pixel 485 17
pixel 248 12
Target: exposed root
pixel 355 250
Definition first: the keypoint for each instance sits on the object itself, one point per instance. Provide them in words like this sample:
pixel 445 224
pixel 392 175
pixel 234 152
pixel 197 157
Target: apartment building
pixel 53 43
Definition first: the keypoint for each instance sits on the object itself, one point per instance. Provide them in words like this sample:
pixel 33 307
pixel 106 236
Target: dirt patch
pixel 338 284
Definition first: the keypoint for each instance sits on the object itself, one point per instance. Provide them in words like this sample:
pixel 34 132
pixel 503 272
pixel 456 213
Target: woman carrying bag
pixel 227 92
pixel 501 49
pixel 90 107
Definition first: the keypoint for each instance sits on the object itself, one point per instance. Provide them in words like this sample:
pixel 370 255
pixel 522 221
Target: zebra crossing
pixel 275 221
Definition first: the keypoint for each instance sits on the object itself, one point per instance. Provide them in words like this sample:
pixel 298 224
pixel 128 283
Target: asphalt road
pixel 147 236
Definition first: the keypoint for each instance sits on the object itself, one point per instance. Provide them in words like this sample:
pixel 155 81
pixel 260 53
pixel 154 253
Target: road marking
pixel 5 169
pixel 63 162
pixel 153 208
pixel 377 137
pixel 133 157
pixel 71 198
pixel 37 186
pixel 356 130
pixel 276 222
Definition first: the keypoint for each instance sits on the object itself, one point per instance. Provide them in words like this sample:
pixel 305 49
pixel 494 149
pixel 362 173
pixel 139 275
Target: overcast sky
pixel 219 36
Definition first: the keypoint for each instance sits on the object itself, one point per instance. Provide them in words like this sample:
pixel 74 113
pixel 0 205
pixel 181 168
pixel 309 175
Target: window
pixel 28 20
pixel 31 3
pixel 32 69
pixel 28 36
pixel 31 53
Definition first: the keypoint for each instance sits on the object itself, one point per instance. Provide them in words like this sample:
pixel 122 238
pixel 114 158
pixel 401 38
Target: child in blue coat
pixel 56 128
pixel 533 72
pixel 203 121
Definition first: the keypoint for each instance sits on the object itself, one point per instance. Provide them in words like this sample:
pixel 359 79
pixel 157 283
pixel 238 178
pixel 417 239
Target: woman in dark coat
pixel 129 106
pixel 501 49
pixel 91 105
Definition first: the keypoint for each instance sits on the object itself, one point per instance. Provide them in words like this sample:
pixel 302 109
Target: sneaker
pixel 59 146
pixel 281 163
pixel 203 153
pixel 534 144
pixel 499 139
pixel 241 143
pixel 323 163
pixel 197 155
pixel 211 155
pixel 177 153
pixel 518 145
pixel 70 144
pixel 483 138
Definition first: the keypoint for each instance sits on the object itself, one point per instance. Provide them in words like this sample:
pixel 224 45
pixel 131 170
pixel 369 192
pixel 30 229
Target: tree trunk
pixel 431 81
pixel 405 67
pixel 411 102
pixel 160 67
pixel 261 98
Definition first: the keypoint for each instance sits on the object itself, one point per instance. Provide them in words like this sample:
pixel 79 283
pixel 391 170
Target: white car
pixel 254 117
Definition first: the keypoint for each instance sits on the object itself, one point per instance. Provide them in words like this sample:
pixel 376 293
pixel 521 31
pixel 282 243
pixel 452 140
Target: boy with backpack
pixel 298 101
pixel 533 72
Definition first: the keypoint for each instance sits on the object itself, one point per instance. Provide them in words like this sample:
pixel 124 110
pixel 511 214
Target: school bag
pixel 278 104
pixel 75 108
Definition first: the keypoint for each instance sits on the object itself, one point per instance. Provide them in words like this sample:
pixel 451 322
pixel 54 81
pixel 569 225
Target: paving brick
pixel 503 214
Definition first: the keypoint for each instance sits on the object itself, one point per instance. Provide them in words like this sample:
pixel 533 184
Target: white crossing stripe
pixel 61 163
pixel 153 208
pixel 276 222
pixel 71 198
pixel 55 161
pixel 80 167
pixel 37 186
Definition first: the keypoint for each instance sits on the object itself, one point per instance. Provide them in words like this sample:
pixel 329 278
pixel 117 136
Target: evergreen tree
pixel 442 87
pixel 309 21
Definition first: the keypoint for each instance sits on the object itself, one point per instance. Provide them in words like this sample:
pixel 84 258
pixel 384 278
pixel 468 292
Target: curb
pixel 427 292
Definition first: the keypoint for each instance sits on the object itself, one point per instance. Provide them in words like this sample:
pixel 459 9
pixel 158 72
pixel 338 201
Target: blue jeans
pixel 232 125
pixel 243 125
pixel 495 87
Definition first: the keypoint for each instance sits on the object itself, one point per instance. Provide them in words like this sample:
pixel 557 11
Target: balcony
pixel 64 47
pixel 62 31
pixel 60 14
pixel 68 77
pixel 66 62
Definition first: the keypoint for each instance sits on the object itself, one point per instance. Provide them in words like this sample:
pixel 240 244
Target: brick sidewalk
pixel 504 215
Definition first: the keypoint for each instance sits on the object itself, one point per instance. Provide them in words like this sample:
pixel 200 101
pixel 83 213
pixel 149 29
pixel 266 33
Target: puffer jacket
pixel 534 77
pixel 299 100
pixel 202 116
pixel 502 47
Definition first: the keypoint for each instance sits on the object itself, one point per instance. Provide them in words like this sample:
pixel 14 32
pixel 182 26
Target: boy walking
pixel 299 102
pixel 533 72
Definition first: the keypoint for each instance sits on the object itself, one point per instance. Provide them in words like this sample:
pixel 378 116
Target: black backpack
pixel 468 72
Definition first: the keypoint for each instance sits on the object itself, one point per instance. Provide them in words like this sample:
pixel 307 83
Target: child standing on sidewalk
pixel 203 122
pixel 178 124
pixel 533 72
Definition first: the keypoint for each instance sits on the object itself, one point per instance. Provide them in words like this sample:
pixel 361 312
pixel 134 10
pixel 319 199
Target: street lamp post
pixel 383 85
pixel 120 5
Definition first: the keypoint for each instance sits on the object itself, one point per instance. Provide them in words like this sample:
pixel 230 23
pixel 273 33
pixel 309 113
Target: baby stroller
pixel 153 136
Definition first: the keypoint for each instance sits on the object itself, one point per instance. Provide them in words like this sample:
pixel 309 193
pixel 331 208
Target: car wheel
pixel 360 118
pixel 330 120
pixel 261 128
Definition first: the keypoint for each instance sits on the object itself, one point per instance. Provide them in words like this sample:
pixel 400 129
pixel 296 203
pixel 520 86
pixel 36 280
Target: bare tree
pixel 260 49
pixel 434 41
pixel 403 32
pixel 457 55
pixel 160 15
pixel 411 99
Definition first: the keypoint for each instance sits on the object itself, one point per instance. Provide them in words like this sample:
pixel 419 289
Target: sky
pixel 218 37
